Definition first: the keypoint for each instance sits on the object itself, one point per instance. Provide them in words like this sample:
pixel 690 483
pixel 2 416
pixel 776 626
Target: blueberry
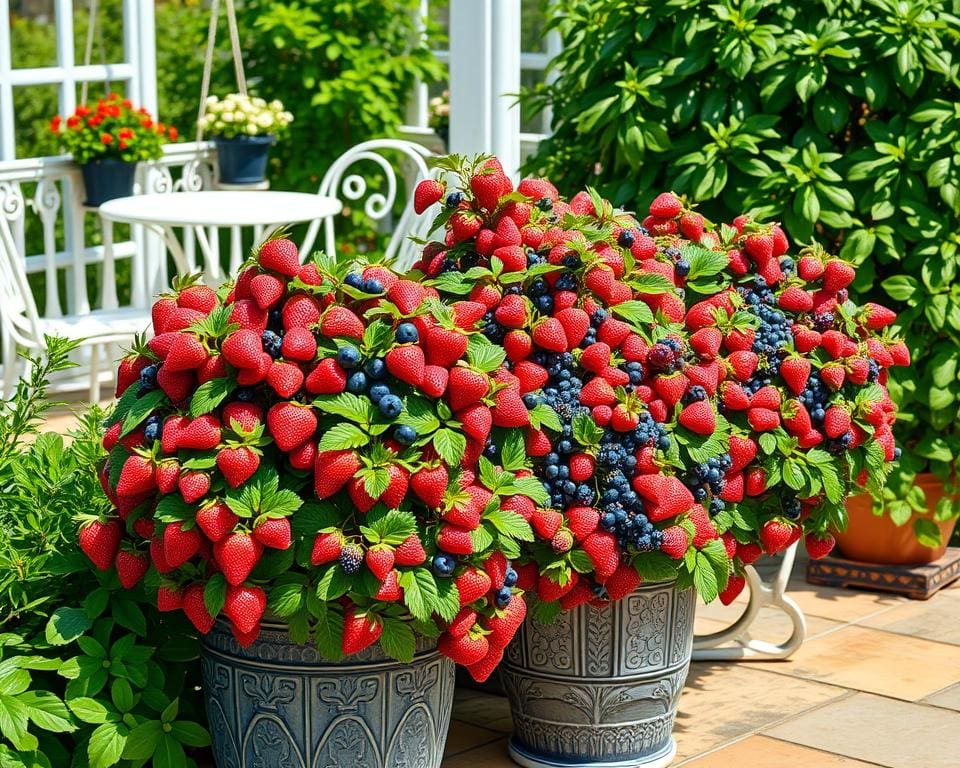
pixel 148 377
pixel 375 369
pixel 372 286
pixel 625 239
pixel 544 203
pixel 405 434
pixel 353 279
pixel 357 383
pixel 454 199
pixel 390 406
pixel 443 564
pixel 407 333
pixel 348 356
pixel 504 595
pixel 378 392
pixel 510 577
pixel 245 395
pixel 151 432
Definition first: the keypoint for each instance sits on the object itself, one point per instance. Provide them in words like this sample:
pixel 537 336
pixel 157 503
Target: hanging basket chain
pixel 208 57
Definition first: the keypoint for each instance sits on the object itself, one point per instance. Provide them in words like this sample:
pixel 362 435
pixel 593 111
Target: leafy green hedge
pixel 837 117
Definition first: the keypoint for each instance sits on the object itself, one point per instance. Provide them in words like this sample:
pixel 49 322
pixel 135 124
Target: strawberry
pixel 242 349
pixel 517 345
pixel 201 298
pixel 704 529
pixel 692 226
pixel 463 622
pixel 242 416
pixel 267 290
pixel 455 540
pixel 326 548
pixel 467 650
pixel 675 542
pixel 397 486
pixel 195 607
pixel 735 585
pixel 512 311
pixel 743 363
pixel 472 584
pixel 833 375
pixel 199 434
pixel 300 311
pixel 621 583
pixel 129 372
pixel 193 486
pixel 795 372
pixel 582 521
pixel 169 599
pixel 407 295
pixel 509 410
pixel 137 476
pixel 481 671
pixel 466 387
pixel 748 553
pixel 706 342
pixel 488 188
pixel 818 545
pixel 776 536
pixel 274 533
pixel 756 482
pixel 596 392
pixel 596 357
pixel 250 376
pixel 546 523
pixel 532 376
pixel 168 474
pixel 759 247
pixel 837 421
pixel 244 606
pixel 427 192
pixel 161 312
pixel 476 421
pixel 430 485
pixel 131 567
pixel 804 339
pixel 291 425
pixel 280 255
pixel 389 591
pixel 734 397
pixel 763 419
pixel 285 379
pixel 877 316
pixel 666 205
pixel 582 466
pixel 809 268
pixel 216 520
pixel 180 543
pixel 357 490
pixel 380 560
pixel 338 321
pixel 794 299
pixel 360 630
pixel 837 275
pixel 328 378
pixel 237 554
pixel 406 363
pixel 299 344
pixel 575 323
pixel 699 417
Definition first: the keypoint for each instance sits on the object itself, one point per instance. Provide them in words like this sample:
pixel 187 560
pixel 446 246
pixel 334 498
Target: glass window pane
pixel 33 34
pixel 533 26
pixel 33 106
pixel 107 41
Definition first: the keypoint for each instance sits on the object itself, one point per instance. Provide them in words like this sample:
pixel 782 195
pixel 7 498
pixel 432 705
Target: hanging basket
pixel 243 159
pixel 107 179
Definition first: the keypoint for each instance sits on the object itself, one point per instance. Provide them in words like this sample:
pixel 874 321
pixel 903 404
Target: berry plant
pixel 310 439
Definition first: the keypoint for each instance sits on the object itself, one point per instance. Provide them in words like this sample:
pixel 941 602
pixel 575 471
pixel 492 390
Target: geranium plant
pixel 302 444
pixel 238 114
pixel 112 128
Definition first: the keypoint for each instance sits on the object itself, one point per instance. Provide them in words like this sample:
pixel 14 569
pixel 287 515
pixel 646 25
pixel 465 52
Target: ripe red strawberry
pixel 407 295
pixel 199 434
pixel 326 548
pixel 575 323
pixel 250 376
pixel 735 585
pixel 280 255
pixel 463 622
pixel 818 545
pixel 193 486
pixel 300 311
pixel 291 425
pixel 169 599
pixel 389 591
pixel 734 397
pixel 406 363
pixel 877 316
pixel 794 299
pixel 468 649
pixel 242 349
pixel 796 418
pixel 216 520
pixel 137 476
pixel 100 542
pixel 748 553
pixel 623 420
pixel 596 392
pixel 622 582
pixel 706 342
pixel 476 420
pixel 692 226
pixel 338 321
pixel 360 630
pixel 795 372
pixel 237 554
pixel 777 535
pixel 466 387
pixel 582 466
pixel 428 192
pixel 805 339
pixel 837 275
pixel 267 290
pixel 756 481
pixel 129 372
pixel 666 205
pixel 517 345
pixel 455 540
pixel 161 312
pixel 285 378
pixel 675 542
pixel 357 490
pixel 759 247
pixel 472 584
pixel 202 298
pixel 244 606
pixel 430 484
pixel 582 521
pixel 763 419
pixel 699 417
pixel 899 353
pixel 596 357
pixel 299 344
pixel 837 421
pixel 704 529
pixel 464 225
pixel 809 268
pixel 743 363
pixel 245 416
pixel 546 523
pixel 168 474
pixel 328 378
pixel 833 375
pixel 509 410
pixel 549 334
pixel 195 608
pixel 180 543
pixel 488 188
pixel 274 533
pixel 379 560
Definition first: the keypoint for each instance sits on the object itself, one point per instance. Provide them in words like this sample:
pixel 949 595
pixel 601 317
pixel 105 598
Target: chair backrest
pixel 18 310
pixel 379 155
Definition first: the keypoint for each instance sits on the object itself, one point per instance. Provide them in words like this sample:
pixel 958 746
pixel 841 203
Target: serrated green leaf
pixel 419 414
pixel 636 314
pixel 397 640
pixel 349 406
pixel 543 416
pixel 483 355
pixel 141 408
pixel 705 579
pixel 510 524
pixel 328 633
pixel 210 394
pixel 419 592
pixel 450 446
pixel 343 436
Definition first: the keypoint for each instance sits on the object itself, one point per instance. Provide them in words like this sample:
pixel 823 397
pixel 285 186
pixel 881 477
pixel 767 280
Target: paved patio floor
pixel 877 683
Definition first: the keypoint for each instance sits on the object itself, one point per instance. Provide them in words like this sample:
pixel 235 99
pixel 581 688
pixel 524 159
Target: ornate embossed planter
pixel 600 686
pixel 278 703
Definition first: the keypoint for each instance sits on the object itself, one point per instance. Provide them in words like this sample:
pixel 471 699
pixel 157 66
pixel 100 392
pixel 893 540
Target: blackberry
pixel 245 395
pixel 544 204
pixel 823 321
pixel 625 239
pixel 351 558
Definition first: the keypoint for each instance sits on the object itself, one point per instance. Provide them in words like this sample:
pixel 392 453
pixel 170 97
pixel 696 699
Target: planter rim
pixel 261 138
pixel 528 760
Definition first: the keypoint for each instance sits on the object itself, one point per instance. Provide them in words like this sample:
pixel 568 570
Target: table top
pixel 221 208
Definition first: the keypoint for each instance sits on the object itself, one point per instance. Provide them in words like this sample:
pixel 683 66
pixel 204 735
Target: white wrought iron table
pixel 206 211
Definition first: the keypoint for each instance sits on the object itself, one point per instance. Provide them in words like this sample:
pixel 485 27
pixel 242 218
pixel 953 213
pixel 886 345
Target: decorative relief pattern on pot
pixel 269 692
pixel 269 744
pixel 635 740
pixel 406 750
pixel 416 683
pixel 347 742
pixel 346 694
pixel 599 645
pixel 551 645
pixel 681 645
pixel 645 631
pixel 222 736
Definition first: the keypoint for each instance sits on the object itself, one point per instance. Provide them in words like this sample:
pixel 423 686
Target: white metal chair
pixel 23 327
pixel 378 205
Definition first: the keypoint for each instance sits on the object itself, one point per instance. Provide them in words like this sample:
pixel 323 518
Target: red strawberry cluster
pixel 312 442
pixel 608 400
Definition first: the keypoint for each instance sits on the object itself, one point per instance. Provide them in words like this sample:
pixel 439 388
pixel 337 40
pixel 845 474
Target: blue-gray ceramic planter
pixel 599 687
pixel 278 703
pixel 243 159
pixel 107 179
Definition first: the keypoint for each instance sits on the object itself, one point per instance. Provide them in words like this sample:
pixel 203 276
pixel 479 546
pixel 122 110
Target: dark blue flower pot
pixel 107 179
pixel 243 159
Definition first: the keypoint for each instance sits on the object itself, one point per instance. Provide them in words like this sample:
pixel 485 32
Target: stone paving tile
pixel 764 752
pixel 844 605
pixel 492 755
pixel 948 697
pixel 482 709
pixel 890 733
pixel 724 702
pixel 935 619
pixel 771 624
pixel 464 737
pixel 864 659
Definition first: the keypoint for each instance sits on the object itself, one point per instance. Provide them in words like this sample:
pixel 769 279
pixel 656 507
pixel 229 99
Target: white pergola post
pixel 485 78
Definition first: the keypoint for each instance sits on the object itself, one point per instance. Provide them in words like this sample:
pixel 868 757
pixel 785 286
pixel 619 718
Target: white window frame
pixel 137 70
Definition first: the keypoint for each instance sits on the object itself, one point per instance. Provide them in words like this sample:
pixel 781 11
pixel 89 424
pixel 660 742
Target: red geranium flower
pixel 106 138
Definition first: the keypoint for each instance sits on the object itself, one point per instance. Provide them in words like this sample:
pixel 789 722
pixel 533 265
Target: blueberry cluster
pixel 815 397
pixel 665 355
pixel 369 285
pixel 624 514
pixel 368 380
pixel 772 334
pixel 708 478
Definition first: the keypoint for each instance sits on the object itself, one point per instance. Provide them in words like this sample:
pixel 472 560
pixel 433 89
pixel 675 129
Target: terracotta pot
pixel 872 538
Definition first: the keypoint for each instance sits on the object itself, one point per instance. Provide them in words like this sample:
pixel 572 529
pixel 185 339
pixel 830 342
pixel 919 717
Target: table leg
pixel 173 245
pixel 733 644
pixel 211 255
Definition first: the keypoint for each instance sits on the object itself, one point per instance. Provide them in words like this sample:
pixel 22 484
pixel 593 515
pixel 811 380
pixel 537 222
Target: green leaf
pixel 349 406
pixel 169 753
pixel 419 592
pixel 327 633
pixel 397 640
pixel 14 721
pixel 190 734
pixel 510 524
pixel 47 711
pixel 106 745
pixel 88 710
pixel 418 413
pixel 140 409
pixel 703 262
pixel 656 566
pixel 450 446
pixel 288 595
pixel 644 282
pixel 901 287
pixel 544 416
pixel 215 594
pixel 513 452
pixel 586 431
pixel 343 436
pixel 122 695
pixel 705 579
pixel 635 313
pixel 66 625
pixel 483 355
pixel 210 394
pixel 142 741
pixel 927 532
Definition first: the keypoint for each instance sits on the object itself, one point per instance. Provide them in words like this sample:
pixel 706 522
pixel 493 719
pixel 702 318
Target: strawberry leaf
pixel 215 594
pixel 703 262
pixel 397 640
pixel 510 524
pixel 418 413
pixel 636 314
pixel 349 406
pixel 483 355
pixel 375 481
pixel 448 599
pixel 342 436
pixel 450 446
pixel 140 409
pixel 210 394
pixel 527 486
pixel 419 592
pixel 513 453
pixel 288 595
pixel 481 538
pixel 173 509
pixel 392 526
pixel 580 561
pixel 586 431
pixel 333 583
pixel 328 632
pixel 376 335
pixel 453 282
pixel 655 566
pixel 705 578
pixel 546 613
pixel 544 416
